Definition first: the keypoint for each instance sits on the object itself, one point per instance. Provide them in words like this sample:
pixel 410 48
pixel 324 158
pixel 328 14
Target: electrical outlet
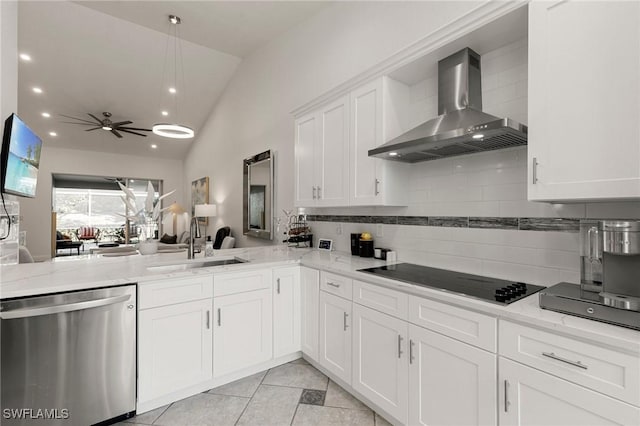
pixel 339 229
pixel 379 230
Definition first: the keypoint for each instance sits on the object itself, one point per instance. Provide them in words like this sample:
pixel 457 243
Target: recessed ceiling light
pixel 154 146
pixel 37 90
pixel 25 57
pixel 172 90
pixel 54 134
pixel 46 115
pixel 478 136
pixel 165 113
pixel 393 154
pixel 107 128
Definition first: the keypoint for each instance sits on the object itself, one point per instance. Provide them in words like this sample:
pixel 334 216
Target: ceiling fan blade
pixel 79 119
pixel 88 130
pixel 79 124
pixel 95 118
pixel 134 128
pixel 133 133
pixel 115 132
pixel 121 123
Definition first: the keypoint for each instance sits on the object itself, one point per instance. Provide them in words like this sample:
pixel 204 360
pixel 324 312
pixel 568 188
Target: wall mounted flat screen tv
pixel 20 158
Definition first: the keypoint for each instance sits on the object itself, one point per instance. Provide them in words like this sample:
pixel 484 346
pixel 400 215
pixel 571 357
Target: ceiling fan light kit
pixel 175 131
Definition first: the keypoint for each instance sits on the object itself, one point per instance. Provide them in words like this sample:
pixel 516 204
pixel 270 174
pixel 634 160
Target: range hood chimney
pixel 461 127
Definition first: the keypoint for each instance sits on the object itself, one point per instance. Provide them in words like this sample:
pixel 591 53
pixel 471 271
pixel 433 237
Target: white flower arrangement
pixel 147 217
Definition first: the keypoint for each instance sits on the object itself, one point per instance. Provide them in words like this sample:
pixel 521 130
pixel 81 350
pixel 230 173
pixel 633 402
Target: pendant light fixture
pixel 169 130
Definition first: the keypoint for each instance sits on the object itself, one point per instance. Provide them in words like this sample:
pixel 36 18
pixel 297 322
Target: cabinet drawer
pixel 240 282
pixel 461 324
pixel 605 370
pixel 336 284
pixel 172 291
pixel 382 299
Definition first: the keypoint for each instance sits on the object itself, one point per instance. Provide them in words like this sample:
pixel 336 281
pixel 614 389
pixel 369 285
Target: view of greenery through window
pixel 88 207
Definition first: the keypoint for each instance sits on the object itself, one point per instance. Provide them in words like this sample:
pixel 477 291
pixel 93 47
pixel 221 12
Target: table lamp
pixel 175 209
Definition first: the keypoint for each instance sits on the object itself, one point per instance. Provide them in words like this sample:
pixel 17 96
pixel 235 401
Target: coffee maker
pixel 609 288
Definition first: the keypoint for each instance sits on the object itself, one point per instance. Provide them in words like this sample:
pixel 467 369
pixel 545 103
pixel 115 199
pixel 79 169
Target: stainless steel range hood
pixel 462 127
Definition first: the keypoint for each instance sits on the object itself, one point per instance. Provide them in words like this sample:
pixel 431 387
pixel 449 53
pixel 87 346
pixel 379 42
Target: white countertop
pixel 67 274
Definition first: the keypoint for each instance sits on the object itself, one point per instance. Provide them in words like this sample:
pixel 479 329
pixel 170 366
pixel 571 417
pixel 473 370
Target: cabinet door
pixel 286 311
pixel 310 289
pixel 307 137
pixel 335 335
pixel 366 133
pixel 380 360
pixel 242 334
pixel 584 100
pixel 531 397
pixel 450 382
pixel 174 348
pixel 333 152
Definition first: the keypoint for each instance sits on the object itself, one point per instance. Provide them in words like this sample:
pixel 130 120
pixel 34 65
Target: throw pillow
pixel 168 239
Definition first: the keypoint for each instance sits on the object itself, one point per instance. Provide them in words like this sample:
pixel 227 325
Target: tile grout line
pixel 252 395
pixel 163 411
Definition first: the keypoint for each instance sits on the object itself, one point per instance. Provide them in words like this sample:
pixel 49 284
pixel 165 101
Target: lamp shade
pixel 176 208
pixel 206 210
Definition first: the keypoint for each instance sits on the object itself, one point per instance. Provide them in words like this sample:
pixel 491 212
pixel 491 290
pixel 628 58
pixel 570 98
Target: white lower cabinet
pixel 310 294
pixel 450 382
pixel 380 360
pixel 286 311
pixel 174 348
pixel 335 335
pixel 242 334
pixel 532 397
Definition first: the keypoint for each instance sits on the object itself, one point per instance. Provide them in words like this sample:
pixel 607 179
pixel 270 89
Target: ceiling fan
pixel 108 125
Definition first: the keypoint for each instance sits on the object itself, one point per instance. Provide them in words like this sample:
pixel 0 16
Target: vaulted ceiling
pixel 91 57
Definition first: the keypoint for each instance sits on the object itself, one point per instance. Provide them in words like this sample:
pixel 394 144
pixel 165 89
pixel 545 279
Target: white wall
pixel 254 113
pixel 36 213
pixel 8 59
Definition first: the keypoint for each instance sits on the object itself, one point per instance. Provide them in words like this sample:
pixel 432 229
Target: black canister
pixel 366 248
pixel 355 244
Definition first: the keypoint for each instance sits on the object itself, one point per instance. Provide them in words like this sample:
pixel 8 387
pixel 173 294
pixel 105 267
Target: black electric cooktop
pixel 483 288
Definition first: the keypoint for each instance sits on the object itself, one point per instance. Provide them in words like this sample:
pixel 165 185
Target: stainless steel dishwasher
pixel 69 358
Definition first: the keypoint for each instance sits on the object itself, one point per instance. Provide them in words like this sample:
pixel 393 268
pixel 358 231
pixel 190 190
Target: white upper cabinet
pixel 584 100
pixel 373 181
pixel 332 163
pixel 322 156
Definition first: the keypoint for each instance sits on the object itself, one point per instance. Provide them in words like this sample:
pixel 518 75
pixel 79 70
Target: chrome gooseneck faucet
pixel 194 232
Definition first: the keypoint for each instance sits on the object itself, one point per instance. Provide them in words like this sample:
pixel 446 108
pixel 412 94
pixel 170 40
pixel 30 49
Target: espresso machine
pixel 609 289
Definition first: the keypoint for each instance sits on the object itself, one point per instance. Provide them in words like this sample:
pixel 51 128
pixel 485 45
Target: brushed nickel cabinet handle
pixel 319 196
pixel 566 361
pixel 506 396
pixel 377 188
pixel 400 346
pixel 333 284
pixel 219 318
pixel 345 321
pixel 314 192
pixel 278 285
pixel 535 170
pixel 411 343
pixel 208 319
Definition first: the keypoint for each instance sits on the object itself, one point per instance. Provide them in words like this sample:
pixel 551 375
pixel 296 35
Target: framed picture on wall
pixel 200 195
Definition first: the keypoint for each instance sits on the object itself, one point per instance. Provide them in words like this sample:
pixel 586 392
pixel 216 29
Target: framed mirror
pixel 258 196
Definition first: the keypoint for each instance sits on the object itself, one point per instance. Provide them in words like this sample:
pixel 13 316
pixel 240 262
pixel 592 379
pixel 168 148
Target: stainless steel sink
pixel 195 265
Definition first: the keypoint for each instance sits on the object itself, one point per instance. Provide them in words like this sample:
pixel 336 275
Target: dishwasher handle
pixel 56 309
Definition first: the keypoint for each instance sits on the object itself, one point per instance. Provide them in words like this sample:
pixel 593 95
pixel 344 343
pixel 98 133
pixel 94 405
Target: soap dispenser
pixel 208 247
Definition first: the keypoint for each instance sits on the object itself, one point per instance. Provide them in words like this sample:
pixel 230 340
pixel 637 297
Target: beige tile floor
pixel 291 394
